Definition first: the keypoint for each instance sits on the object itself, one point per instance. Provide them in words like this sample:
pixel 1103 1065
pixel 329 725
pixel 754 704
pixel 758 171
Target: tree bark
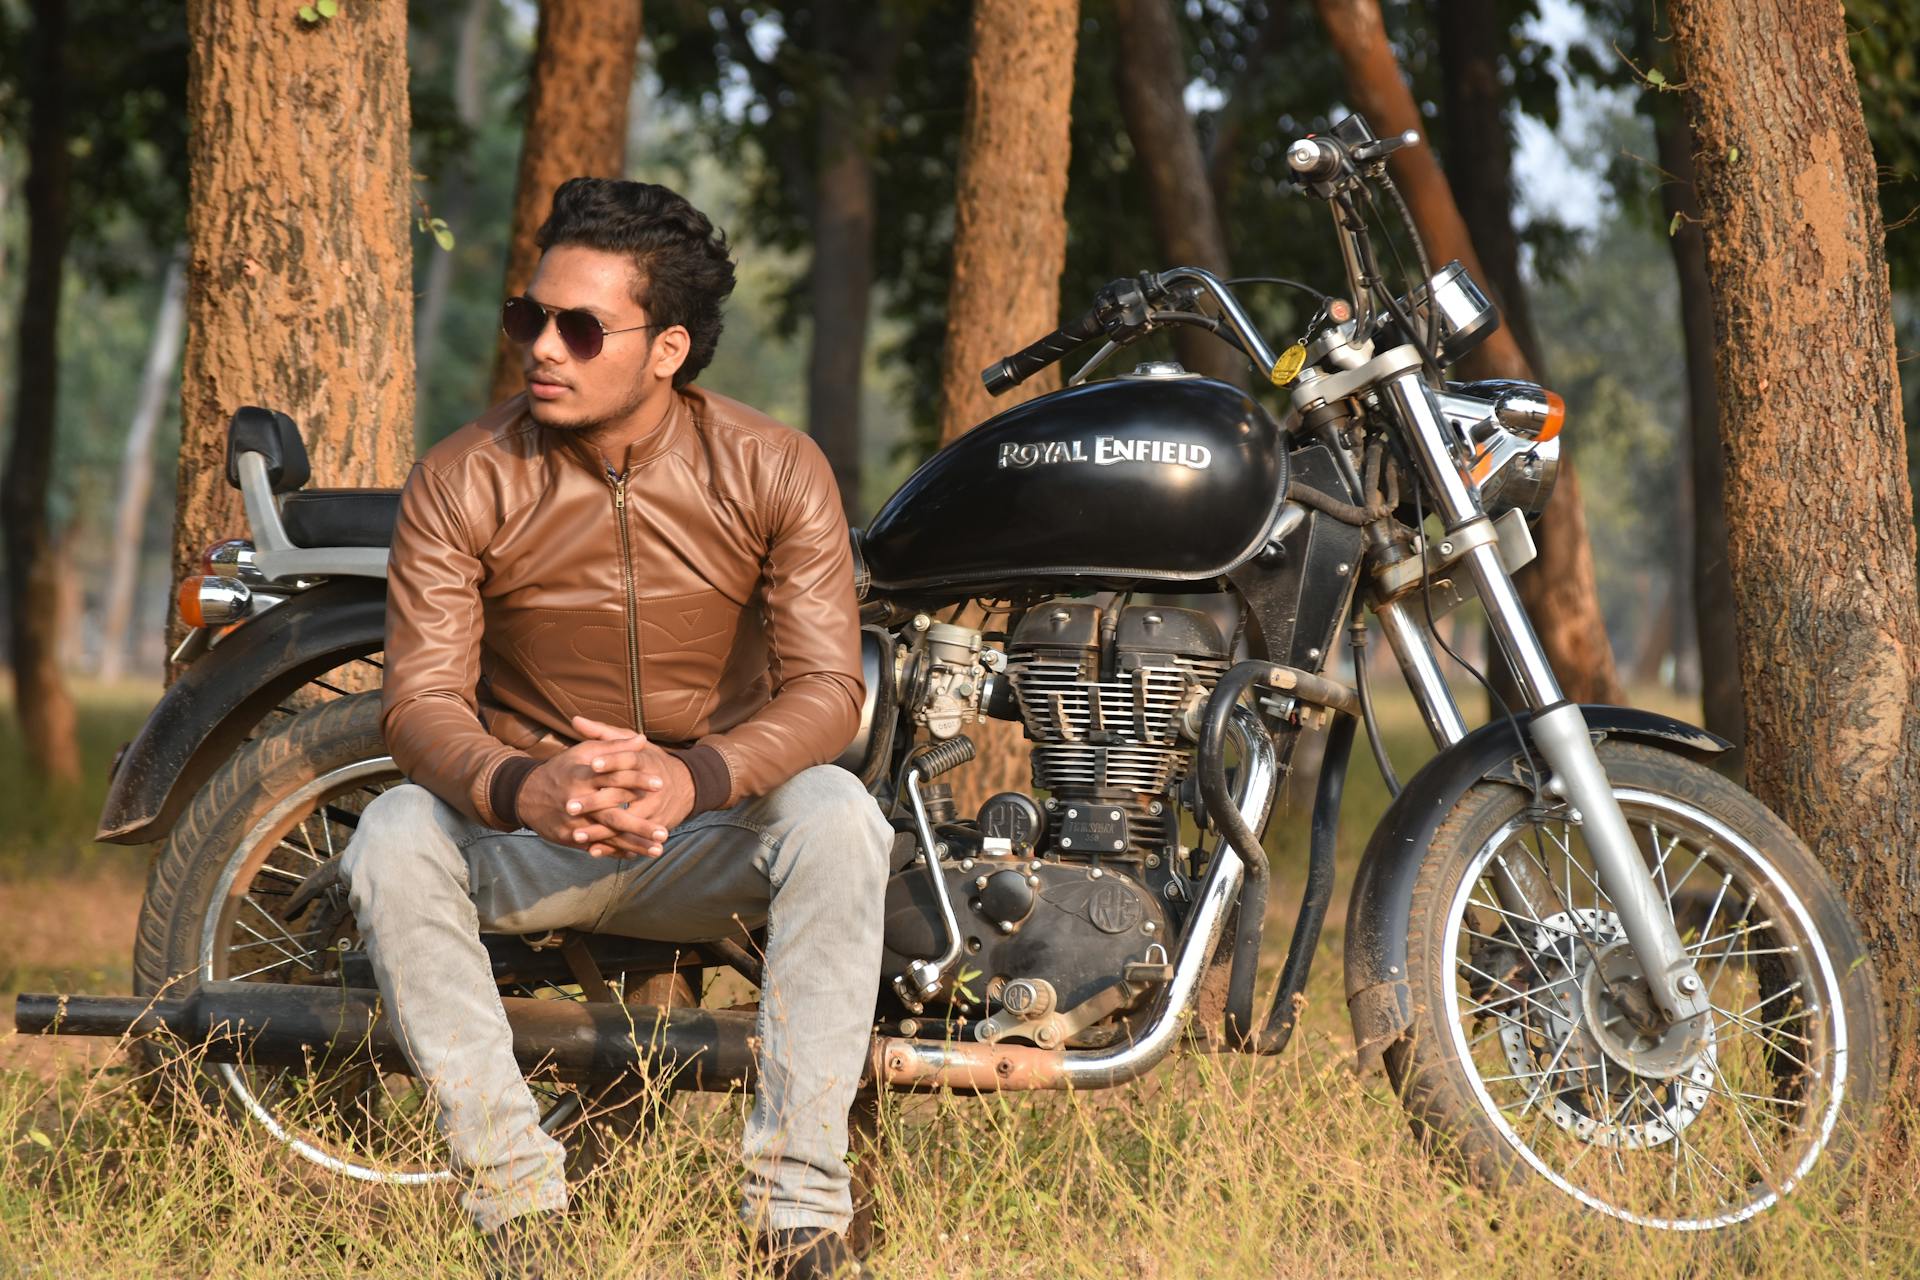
pixel 299 271
pixel 1009 249
pixel 1820 538
pixel 1720 695
pixel 158 383
pixel 583 60
pixel 1151 77
pixel 41 700
pixel 1558 587
pixel 456 197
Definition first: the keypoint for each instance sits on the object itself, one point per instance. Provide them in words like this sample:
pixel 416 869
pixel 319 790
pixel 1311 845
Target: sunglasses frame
pixel 551 315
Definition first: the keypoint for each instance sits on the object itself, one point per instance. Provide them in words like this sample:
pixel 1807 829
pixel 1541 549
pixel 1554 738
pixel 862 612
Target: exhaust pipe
pixel 280 1024
pixel 284 1025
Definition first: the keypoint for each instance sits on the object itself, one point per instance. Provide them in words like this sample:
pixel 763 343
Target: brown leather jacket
pixel 707 599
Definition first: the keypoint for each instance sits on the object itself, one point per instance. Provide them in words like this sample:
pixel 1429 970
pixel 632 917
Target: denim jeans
pixel 808 859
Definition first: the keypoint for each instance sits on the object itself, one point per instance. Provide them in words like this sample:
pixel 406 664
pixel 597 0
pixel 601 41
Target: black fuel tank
pixel 1168 478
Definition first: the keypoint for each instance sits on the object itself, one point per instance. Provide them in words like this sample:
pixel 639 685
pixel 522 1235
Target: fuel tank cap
pixel 1161 369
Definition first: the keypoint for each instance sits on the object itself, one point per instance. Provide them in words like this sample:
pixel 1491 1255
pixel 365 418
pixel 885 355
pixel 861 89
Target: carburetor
pixel 949 669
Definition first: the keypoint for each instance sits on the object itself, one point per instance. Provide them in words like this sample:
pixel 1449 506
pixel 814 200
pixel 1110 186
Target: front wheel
pixel 1527 1055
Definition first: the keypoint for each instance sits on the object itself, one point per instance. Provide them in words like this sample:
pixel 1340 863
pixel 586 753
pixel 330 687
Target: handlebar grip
pixel 1006 374
pixel 1314 159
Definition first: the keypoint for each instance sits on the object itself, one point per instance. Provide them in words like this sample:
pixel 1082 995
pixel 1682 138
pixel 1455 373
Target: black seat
pixel 340 517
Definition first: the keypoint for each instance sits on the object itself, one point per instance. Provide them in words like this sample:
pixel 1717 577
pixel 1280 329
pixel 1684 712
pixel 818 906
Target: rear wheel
pixel 1528 1057
pixel 218 908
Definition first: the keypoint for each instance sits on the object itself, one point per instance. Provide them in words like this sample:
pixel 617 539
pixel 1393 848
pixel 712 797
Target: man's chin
pixel 551 413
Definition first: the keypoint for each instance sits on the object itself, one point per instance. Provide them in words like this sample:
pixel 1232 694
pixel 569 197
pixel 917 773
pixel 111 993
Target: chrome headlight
pixel 1510 433
pixel 1466 315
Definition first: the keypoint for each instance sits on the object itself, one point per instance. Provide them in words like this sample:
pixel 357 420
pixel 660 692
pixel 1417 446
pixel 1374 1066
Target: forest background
pixel 726 108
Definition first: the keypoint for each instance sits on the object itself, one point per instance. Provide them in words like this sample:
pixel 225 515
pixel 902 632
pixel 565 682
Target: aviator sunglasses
pixel 523 321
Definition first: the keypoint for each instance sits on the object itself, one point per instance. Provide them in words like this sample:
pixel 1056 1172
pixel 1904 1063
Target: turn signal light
pixel 212 601
pixel 1533 412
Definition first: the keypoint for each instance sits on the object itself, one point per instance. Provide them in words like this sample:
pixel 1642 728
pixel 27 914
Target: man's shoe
pixel 529 1247
pixel 810 1253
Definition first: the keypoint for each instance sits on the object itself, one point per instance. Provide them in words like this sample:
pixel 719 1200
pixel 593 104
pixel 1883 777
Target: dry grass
pixel 1214 1167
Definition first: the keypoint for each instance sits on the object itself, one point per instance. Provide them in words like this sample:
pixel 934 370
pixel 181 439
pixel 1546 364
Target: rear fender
pixel 1379 994
pixel 209 711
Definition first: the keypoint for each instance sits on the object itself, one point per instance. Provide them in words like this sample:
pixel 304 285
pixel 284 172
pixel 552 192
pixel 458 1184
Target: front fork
pixel 1558 728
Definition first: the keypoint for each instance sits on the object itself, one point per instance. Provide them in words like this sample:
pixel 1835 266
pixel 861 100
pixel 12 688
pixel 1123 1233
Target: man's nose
pixel 548 349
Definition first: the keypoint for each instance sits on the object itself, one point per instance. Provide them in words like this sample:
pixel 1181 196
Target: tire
pixel 1514 1062
pixel 285 803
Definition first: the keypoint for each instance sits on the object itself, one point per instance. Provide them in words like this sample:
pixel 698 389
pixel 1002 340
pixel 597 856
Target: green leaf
pixel 1673 228
pixel 443 237
pixel 1733 155
pixel 1655 77
pixel 39 1139
pixel 327 8
pixel 307 14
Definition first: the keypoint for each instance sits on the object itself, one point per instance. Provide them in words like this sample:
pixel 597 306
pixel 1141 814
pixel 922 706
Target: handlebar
pixel 1006 374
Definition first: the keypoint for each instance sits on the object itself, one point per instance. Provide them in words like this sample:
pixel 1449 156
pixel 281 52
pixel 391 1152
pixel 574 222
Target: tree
pixel 158 383
pixel 1558 588
pixel 299 287
pixel 1820 533
pixel 583 60
pixel 1009 245
pixel 44 705
pixel 1151 76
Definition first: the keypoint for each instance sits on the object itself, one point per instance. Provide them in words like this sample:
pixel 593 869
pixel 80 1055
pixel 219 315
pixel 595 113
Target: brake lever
pixel 1106 349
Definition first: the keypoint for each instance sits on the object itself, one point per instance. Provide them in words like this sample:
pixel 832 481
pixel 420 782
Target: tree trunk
pixel 41 699
pixel 1479 155
pixel 1009 249
pixel 158 383
pixel 456 199
pixel 583 60
pixel 840 283
pixel 1720 696
pixel 299 275
pixel 1558 588
pixel 1820 539
pixel 1151 77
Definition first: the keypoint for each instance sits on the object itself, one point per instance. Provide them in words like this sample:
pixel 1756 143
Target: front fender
pixel 1379 995
pixel 209 711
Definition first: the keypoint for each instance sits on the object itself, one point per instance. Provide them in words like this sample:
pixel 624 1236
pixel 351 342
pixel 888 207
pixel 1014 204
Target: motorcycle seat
pixel 340 517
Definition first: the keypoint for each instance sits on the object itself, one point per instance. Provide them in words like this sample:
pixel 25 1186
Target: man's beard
pixel 635 397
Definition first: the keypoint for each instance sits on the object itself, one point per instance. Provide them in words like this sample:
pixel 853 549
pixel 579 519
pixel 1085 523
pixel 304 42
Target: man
pixel 621 644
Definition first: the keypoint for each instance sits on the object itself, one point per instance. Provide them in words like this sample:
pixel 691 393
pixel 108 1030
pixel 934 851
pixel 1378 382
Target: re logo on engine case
pixel 1107 450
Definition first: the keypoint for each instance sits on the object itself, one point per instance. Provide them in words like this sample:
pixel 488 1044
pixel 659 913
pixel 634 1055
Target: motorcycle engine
pixel 1066 908
pixel 1112 701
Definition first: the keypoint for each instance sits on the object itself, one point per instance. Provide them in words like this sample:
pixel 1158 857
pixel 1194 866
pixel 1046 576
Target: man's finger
pixel 634 777
pixel 602 798
pixel 631 822
pixel 594 729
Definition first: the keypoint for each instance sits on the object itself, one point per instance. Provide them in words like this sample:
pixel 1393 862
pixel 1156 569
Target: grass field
pixel 1212 1167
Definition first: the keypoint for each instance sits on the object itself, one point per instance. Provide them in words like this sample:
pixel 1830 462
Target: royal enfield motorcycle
pixel 1581 953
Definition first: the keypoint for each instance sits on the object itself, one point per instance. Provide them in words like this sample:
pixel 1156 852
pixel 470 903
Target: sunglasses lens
pixel 581 332
pixel 521 320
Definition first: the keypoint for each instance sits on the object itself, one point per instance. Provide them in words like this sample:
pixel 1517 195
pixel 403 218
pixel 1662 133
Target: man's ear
pixel 670 351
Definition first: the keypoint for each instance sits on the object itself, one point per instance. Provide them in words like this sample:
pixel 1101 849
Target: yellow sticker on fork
pixel 1288 366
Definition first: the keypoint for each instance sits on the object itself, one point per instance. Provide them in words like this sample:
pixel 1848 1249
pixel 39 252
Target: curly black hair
pixel 683 268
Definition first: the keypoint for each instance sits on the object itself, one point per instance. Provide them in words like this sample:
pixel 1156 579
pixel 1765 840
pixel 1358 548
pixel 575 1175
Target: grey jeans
pixel 808 859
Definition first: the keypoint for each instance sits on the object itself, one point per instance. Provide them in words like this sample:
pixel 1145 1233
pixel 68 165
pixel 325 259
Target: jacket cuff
pixel 503 790
pixel 712 781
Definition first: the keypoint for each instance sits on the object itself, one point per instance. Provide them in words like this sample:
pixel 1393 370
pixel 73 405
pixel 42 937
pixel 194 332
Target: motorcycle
pixel 1580 953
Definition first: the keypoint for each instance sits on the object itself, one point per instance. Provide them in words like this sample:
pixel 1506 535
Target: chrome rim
pixel 360 1121
pixel 1702 1131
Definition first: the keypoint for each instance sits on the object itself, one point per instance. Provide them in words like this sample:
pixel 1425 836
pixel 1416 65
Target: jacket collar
pixel 656 443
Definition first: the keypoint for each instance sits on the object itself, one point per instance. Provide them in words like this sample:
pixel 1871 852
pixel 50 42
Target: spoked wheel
pixel 218 908
pixel 1532 1054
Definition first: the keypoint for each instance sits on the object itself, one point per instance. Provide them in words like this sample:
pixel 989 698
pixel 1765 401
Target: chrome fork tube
pixel 1422 670
pixel 1558 727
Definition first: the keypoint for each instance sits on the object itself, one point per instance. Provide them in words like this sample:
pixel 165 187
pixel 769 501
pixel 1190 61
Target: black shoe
pixel 810 1253
pixel 529 1247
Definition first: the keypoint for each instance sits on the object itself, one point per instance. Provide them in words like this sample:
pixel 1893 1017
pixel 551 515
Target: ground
pixel 1295 1166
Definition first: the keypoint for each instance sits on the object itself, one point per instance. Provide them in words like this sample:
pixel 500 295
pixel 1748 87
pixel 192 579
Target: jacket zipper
pixel 619 486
